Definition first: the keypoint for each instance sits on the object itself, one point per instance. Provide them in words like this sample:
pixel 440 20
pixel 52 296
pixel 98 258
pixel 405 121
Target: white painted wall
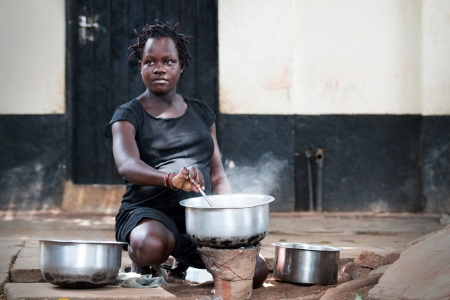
pixel 275 57
pixel 356 57
pixel 334 57
pixel 436 57
pixel 32 57
pixel 255 59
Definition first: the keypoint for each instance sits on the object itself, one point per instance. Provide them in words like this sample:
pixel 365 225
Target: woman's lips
pixel 160 80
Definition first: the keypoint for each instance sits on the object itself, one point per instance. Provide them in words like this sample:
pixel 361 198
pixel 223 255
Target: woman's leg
pixel 150 244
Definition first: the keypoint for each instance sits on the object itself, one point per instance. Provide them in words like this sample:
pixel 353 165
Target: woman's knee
pixel 147 251
pixel 150 244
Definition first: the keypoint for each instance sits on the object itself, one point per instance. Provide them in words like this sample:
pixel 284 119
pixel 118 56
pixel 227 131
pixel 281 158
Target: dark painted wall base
pixel 436 163
pixel 385 163
pixel 257 152
pixel 33 161
pixel 371 163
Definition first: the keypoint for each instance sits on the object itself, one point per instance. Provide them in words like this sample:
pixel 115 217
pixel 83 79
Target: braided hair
pixel 161 30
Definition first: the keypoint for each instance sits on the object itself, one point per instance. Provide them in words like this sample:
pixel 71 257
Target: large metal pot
pixel 80 264
pixel 306 263
pixel 234 221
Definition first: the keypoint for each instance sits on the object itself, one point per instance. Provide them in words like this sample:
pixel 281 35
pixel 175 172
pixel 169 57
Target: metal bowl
pixel 234 221
pixel 306 263
pixel 80 264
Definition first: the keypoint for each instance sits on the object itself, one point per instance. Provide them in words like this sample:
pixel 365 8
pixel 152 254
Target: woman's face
pixel 160 65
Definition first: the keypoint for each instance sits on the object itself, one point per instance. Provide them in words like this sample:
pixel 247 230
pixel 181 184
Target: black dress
pixel 166 145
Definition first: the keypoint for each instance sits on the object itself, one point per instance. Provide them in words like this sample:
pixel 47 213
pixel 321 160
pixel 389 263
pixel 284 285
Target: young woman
pixel 165 148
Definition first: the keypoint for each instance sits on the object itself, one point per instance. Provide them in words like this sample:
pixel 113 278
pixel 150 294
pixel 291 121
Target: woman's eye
pixel 169 62
pixel 149 63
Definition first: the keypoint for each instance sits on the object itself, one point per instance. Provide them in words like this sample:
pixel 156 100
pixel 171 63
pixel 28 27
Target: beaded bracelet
pixel 170 180
pixel 166 177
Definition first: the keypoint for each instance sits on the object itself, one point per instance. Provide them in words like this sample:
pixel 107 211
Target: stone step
pixel 41 291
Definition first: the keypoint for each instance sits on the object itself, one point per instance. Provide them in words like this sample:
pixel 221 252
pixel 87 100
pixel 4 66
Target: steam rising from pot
pixel 263 178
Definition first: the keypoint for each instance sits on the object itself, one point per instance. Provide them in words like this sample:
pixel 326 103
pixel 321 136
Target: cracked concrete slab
pixel 354 232
pixel 9 249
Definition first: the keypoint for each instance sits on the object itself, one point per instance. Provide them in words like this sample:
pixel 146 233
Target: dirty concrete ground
pixel 379 233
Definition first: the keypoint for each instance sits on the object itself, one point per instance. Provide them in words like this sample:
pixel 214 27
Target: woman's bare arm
pixel 219 180
pixel 133 169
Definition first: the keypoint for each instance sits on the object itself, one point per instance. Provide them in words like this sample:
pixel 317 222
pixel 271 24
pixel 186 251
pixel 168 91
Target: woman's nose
pixel 159 68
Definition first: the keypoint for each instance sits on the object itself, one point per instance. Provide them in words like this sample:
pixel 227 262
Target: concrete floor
pixel 353 232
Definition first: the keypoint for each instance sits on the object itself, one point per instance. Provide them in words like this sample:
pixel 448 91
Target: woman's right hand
pixel 189 179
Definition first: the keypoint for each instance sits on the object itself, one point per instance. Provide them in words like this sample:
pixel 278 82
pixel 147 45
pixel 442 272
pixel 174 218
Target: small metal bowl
pixel 306 263
pixel 80 264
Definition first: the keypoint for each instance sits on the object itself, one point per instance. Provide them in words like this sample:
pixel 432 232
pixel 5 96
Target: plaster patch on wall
pixel 279 82
pixel 272 95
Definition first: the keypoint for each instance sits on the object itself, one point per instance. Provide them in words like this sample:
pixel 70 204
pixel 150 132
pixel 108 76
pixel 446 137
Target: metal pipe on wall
pixel 309 154
pixel 316 155
pixel 319 155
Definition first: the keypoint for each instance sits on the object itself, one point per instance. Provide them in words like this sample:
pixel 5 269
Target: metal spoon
pixel 204 195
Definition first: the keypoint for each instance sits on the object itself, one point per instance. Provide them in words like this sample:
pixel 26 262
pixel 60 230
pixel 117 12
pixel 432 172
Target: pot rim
pixel 82 242
pixel 309 247
pixel 191 202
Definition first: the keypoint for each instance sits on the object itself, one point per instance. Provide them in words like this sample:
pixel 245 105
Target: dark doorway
pixel 100 77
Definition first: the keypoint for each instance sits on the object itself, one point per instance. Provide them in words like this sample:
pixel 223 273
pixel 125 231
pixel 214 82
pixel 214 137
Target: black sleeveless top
pixel 168 145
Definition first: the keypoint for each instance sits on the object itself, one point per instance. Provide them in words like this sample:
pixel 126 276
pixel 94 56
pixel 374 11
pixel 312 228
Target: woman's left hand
pixel 189 179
